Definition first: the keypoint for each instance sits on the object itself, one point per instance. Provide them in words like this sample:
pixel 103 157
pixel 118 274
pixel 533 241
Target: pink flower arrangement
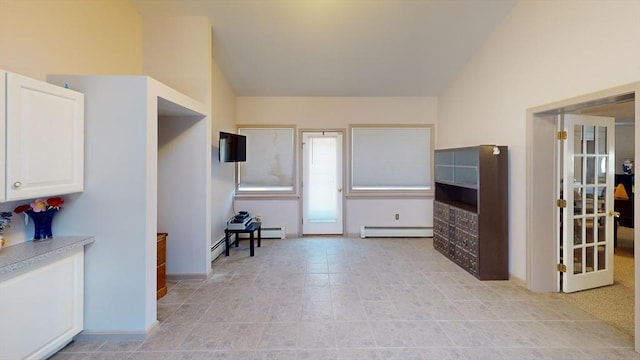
pixel 40 205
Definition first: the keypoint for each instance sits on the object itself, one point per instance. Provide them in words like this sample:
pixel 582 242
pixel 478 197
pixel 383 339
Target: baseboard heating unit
pixel 395 231
pixel 269 233
pixel 274 233
pixel 217 248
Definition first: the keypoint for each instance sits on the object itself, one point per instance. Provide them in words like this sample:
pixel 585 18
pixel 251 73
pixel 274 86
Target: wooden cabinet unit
pixel 471 224
pixel 162 265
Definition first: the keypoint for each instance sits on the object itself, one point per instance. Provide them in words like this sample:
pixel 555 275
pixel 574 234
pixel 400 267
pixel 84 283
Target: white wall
pixel 335 112
pixel 381 212
pixel 625 145
pixel 543 51
pixel 274 213
pixel 120 205
pixel 114 206
pixel 222 174
pixel 339 113
pixel 41 37
pixel 178 52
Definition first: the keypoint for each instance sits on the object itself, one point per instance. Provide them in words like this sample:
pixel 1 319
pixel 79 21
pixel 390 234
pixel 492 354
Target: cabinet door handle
pixel 17 184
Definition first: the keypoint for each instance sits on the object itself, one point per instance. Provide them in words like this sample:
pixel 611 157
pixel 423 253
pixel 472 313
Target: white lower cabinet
pixel 41 308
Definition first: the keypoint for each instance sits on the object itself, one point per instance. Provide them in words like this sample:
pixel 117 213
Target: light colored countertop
pixel 18 256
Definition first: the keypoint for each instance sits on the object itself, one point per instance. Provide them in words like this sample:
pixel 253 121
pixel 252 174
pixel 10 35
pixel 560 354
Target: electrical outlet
pixel 397 216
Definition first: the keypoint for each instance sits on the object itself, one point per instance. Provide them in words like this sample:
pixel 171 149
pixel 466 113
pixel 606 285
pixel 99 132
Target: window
pixel 270 160
pixel 391 158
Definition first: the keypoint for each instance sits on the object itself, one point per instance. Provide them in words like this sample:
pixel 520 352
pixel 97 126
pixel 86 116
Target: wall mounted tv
pixel 233 147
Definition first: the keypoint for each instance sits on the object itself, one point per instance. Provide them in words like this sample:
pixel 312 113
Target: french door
pixel 322 182
pixel 588 185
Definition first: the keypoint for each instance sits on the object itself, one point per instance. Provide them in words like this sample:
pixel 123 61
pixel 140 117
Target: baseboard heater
pixel 269 233
pixel 217 248
pixel 395 231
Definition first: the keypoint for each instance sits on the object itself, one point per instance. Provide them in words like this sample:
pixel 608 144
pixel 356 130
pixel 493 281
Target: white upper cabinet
pixel 42 153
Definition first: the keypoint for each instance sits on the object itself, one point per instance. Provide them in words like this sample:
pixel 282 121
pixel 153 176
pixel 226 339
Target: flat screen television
pixel 233 147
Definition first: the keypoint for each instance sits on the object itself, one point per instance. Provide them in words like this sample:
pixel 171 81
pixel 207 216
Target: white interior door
pixel 588 173
pixel 322 182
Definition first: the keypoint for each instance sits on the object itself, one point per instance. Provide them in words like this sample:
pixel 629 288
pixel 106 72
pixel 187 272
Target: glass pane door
pixel 322 183
pixel 589 170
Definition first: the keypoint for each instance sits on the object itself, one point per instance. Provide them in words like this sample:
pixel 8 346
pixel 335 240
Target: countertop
pixel 18 256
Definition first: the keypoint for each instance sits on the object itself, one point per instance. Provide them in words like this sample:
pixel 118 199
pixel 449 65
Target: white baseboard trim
pixel 178 277
pixel 518 281
pixel 89 335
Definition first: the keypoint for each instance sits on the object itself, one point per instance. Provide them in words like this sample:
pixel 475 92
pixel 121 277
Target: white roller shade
pixel 391 158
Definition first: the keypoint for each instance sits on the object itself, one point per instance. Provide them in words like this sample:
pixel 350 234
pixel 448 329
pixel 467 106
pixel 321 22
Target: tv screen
pixel 233 147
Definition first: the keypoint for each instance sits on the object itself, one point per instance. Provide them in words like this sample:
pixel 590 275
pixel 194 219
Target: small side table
pixel 250 229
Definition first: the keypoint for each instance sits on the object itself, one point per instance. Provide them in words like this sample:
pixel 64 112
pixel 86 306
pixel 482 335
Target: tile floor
pixel 349 298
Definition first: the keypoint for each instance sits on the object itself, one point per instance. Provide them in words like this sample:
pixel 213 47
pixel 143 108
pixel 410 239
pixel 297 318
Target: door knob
pixel 17 184
pixel 340 189
pixel 614 213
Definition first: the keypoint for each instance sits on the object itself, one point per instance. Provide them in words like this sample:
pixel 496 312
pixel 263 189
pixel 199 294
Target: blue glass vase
pixel 42 223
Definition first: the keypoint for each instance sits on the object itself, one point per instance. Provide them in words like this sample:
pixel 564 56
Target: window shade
pixel 391 158
pixel 270 160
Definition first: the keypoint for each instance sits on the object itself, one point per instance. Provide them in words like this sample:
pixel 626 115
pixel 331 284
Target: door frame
pixel 541 190
pixel 301 173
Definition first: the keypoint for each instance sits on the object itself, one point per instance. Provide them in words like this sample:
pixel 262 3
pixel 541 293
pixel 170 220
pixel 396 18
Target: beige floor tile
pixel 317 354
pixel 344 292
pixel 317 311
pixel 392 333
pixel 166 337
pixel 279 336
pixel 317 335
pixel 349 310
pixel 380 310
pixel 474 310
pixel 316 293
pixel 354 334
pixel 349 299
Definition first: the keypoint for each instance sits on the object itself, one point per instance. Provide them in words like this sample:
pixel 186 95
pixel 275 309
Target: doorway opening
pixel 545 231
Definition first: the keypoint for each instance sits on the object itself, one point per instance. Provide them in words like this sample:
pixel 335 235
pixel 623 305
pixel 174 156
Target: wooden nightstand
pixel 162 265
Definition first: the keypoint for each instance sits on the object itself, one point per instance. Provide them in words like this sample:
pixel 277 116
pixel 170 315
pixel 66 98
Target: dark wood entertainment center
pixel 471 214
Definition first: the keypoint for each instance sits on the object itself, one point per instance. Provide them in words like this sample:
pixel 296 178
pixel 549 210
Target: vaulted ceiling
pixel 341 47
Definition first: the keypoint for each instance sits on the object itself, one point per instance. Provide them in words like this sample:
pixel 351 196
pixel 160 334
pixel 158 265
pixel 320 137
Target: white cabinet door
pixel 45 139
pixel 3 137
pixel 42 308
